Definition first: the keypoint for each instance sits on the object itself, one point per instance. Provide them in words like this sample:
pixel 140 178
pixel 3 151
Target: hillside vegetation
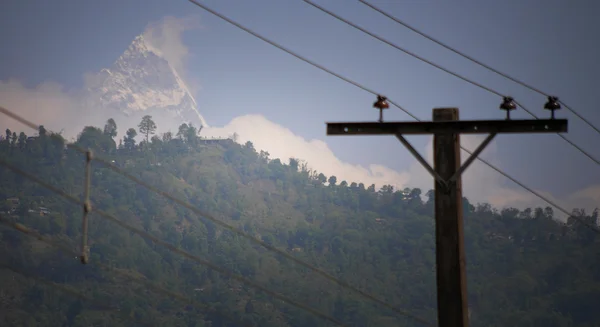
pixel 524 268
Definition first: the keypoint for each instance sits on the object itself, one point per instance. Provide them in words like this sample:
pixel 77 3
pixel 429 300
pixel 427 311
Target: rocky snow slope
pixel 141 82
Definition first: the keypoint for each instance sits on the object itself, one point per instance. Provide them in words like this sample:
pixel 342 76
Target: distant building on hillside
pixel 214 140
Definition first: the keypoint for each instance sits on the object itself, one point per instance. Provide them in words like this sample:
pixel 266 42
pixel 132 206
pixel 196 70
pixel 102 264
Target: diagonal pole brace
pixel 422 160
pixel 472 158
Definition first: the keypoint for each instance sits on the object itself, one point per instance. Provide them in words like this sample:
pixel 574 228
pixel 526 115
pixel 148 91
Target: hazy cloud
pixel 47 104
pixel 58 109
pixel 50 105
pixel 282 143
pixel 69 111
pixel 165 38
pixel 66 112
pixel 480 183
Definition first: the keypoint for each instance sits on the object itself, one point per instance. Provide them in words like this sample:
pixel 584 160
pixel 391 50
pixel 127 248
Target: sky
pixel 281 104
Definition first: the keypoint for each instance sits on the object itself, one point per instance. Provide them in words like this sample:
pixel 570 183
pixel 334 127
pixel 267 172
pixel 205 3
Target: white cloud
pixel 165 38
pixel 282 143
pixel 49 104
pixel 62 111
pixel 480 183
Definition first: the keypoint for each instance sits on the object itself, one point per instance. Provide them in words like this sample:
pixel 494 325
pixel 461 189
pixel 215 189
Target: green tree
pixel 22 140
pixel 167 137
pixel 191 134
pixel 110 128
pixel 293 162
pixel 525 268
pixel 93 138
pixel 42 131
pixel 322 178
pixel 182 131
pixel 332 180
pixel 129 139
pixel 387 189
pixel 147 127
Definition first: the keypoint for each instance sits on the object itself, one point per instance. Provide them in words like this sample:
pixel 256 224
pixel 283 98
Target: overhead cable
pixel 225 225
pixel 479 85
pixel 478 62
pixel 122 273
pixel 390 101
pixel 167 245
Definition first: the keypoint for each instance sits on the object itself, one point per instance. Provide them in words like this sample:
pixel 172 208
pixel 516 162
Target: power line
pixel 332 14
pixel 280 47
pixel 169 246
pixel 203 214
pixel 73 293
pixel 402 49
pixel 68 251
pixel 389 100
pixel 263 243
pixel 231 228
pixel 529 86
pixel 550 202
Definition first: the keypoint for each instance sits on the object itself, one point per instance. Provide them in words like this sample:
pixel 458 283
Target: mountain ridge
pixel 141 80
pixel 524 268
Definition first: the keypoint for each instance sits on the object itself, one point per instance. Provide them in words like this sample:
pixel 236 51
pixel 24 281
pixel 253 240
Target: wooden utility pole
pixel 447 170
pixel 450 252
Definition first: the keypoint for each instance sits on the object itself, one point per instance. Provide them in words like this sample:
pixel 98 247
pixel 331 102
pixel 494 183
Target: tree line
pixel 524 267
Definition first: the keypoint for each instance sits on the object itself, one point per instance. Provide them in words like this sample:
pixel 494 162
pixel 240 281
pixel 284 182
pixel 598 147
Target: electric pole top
pixel 447 170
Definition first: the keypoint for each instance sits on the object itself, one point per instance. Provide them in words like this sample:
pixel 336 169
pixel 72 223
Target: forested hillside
pixel 524 268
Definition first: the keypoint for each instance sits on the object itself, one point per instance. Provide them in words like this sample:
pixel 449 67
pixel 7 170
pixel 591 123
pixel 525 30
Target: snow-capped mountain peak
pixel 138 46
pixel 142 82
